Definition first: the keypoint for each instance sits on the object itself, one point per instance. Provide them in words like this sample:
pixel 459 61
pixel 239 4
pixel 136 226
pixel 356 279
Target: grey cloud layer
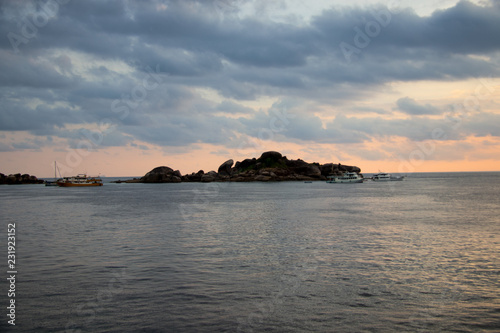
pixel 196 44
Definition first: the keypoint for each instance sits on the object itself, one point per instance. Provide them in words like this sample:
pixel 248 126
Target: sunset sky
pixel 119 87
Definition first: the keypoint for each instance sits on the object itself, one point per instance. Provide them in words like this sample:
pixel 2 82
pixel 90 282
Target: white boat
pixel 384 177
pixel 347 177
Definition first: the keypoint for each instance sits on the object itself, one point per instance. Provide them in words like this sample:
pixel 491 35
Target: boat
pixel 79 180
pixel 381 177
pixel 53 182
pixel 386 177
pixel 347 177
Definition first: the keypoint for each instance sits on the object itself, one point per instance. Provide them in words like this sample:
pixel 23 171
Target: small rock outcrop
pixel 18 179
pixel 193 177
pixel 162 174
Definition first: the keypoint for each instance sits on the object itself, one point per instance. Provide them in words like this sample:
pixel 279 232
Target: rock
pixel 18 179
pixel 326 169
pixel 353 169
pixel 242 179
pixel 245 164
pixel 209 177
pixel 193 177
pixel 312 171
pixel 135 180
pixel 119 181
pixel 175 179
pixel 225 168
pixel 262 178
pixel 273 155
pixel 303 178
pixel 162 174
pixel 11 179
pixel 305 169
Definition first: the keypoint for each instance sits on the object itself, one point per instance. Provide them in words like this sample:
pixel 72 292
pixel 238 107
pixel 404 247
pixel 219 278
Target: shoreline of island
pixel 270 166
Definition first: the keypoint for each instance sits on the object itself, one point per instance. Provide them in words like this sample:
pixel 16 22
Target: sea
pixel 419 255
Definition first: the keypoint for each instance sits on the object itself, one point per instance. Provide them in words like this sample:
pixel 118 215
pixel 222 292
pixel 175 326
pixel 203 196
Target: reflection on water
pixel 418 255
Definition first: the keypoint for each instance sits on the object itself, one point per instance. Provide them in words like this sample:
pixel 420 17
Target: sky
pixel 117 88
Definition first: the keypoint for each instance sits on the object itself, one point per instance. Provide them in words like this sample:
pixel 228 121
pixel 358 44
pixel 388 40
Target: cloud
pixel 31 71
pixel 410 106
pixel 233 108
pixel 92 61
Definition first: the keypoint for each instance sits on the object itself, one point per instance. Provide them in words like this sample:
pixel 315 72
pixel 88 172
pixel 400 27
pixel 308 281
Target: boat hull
pixel 348 177
pixel 78 185
pixel 345 181
pixel 392 179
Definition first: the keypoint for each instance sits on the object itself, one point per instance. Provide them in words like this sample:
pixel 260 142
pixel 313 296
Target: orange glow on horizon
pixel 134 162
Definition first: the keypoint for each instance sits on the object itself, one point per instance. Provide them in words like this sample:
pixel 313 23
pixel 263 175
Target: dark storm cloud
pixel 463 29
pixel 25 71
pixel 59 66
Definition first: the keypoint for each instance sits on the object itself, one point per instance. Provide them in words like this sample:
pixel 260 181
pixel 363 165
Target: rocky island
pixel 270 166
pixel 18 179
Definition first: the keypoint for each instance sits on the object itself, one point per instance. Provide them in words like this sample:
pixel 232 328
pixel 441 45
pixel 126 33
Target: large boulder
pixel 225 168
pixel 348 168
pixel 303 168
pixel 351 168
pixel 327 169
pixel 209 177
pixel 270 155
pixel 162 174
pixel 337 169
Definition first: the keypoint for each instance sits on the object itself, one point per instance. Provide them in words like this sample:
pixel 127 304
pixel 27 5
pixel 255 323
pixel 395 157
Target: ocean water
pixel 420 255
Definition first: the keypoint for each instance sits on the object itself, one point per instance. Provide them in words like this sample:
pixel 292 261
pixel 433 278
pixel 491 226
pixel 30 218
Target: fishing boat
pixel 347 177
pixel 79 180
